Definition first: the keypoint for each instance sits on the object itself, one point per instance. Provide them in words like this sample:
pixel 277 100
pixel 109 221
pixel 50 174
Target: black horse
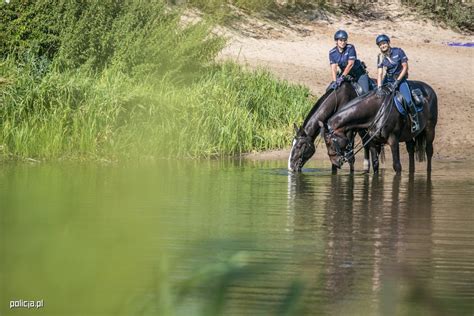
pixel 384 124
pixel 303 143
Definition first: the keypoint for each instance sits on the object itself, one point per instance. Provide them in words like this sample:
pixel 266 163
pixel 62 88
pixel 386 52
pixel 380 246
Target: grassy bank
pixel 128 80
pixel 75 115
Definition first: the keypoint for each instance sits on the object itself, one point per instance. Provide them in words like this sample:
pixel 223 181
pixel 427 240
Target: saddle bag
pixel 417 96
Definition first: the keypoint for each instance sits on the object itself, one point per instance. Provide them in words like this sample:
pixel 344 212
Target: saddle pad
pixel 399 105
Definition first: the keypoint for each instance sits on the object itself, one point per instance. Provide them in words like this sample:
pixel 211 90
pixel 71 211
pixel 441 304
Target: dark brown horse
pixel 303 143
pixel 385 125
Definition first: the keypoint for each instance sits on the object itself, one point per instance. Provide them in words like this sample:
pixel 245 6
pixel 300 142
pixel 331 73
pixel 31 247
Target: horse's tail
pixel 420 147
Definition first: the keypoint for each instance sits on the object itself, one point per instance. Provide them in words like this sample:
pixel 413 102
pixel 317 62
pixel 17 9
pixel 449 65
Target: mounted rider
pixel 343 57
pixel 395 63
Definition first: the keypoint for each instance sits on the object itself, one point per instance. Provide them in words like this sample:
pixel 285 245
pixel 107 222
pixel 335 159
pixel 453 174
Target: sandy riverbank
pixel 296 50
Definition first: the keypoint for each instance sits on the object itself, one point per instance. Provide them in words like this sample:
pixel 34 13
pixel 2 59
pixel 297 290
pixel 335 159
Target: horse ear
pixel 302 132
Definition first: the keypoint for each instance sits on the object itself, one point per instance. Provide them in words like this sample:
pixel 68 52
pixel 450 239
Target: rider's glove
pixel 339 80
pixel 380 92
pixel 394 85
pixel 333 85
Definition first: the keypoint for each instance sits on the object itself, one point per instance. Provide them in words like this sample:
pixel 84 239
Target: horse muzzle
pixel 296 166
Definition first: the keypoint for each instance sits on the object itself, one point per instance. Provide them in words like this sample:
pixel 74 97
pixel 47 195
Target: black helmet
pixel 340 34
pixel 382 38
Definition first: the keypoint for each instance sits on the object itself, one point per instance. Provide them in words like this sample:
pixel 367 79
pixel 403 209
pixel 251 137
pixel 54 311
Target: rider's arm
pixel 352 56
pixel 379 76
pixel 334 71
pixel 404 60
pixel 348 68
pixel 379 70
pixel 403 72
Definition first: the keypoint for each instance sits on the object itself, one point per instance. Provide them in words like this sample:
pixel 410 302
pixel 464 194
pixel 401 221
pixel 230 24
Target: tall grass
pixel 75 115
pixel 228 112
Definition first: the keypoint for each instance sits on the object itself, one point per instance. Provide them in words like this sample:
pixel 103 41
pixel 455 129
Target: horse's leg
pixel 429 150
pixel 362 135
pixel 367 152
pixel 395 147
pixel 333 169
pixel 351 161
pixel 374 153
pixel 411 154
pixel 351 166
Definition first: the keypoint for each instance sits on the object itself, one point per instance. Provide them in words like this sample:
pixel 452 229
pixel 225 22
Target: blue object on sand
pixel 461 44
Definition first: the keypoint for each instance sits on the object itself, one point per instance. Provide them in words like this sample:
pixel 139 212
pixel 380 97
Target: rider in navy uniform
pixel 395 62
pixel 344 57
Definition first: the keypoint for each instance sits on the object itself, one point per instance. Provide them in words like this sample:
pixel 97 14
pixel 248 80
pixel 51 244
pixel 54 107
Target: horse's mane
pixel 385 108
pixel 316 106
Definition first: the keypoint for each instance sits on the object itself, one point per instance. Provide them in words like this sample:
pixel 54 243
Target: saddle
pixel 402 104
pixel 358 88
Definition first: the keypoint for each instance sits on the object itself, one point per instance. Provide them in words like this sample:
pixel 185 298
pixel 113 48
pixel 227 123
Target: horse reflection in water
pixel 366 231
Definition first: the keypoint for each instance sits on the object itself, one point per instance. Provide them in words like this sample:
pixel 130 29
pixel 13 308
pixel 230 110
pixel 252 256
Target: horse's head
pixel 302 149
pixel 337 144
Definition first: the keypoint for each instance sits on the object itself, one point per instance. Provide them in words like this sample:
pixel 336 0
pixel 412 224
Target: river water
pixel 235 238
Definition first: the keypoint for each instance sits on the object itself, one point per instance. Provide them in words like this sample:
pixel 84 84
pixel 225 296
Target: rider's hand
pixel 380 92
pixel 348 78
pixel 333 85
pixel 339 80
pixel 394 85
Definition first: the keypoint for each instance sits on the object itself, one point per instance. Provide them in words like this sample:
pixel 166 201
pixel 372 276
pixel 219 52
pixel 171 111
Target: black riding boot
pixel 415 123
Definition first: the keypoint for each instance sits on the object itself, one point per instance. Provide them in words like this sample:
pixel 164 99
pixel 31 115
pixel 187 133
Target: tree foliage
pixel 136 36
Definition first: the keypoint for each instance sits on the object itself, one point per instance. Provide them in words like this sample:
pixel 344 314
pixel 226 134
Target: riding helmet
pixel 341 34
pixel 382 38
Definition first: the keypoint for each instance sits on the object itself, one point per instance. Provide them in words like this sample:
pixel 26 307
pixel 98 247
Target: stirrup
pixel 415 125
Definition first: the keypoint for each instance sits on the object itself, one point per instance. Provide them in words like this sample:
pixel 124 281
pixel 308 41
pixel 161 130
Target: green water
pixel 235 238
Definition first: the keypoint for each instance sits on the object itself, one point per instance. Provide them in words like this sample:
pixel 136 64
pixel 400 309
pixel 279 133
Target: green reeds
pixel 81 116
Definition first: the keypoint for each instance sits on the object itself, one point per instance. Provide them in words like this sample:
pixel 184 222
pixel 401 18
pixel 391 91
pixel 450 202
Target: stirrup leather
pixel 415 123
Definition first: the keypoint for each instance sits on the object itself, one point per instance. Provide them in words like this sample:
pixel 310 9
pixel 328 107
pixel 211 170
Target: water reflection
pixel 376 230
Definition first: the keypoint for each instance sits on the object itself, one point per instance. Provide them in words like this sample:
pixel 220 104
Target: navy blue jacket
pixel 342 58
pixel 393 63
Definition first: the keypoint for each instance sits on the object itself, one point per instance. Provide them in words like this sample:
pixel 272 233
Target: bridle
pixel 306 142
